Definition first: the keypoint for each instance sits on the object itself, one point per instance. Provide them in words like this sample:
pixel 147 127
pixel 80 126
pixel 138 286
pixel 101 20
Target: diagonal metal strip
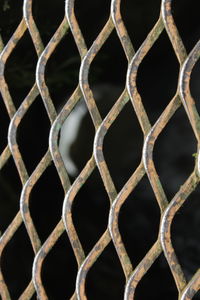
pixel 6 152
pixel 53 141
pixel 107 180
pixel 193 180
pixel 4 55
pixel 192 287
pixel 46 247
pixel 10 231
pixel 172 107
pixel 149 166
pixel 155 250
pixel 13 132
pixel 31 97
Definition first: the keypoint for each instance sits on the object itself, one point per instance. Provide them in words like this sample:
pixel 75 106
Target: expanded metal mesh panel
pixel 24 224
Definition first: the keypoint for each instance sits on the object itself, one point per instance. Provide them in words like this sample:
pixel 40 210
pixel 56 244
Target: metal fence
pixel 187 289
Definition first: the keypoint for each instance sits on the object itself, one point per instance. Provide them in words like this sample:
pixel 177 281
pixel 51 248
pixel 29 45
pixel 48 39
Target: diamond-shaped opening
pixel 17 268
pixel 186 17
pixel 139 221
pixel 12 11
pixel 96 13
pixel 46 202
pixel 59 263
pixel 123 146
pixel 157 77
pixel 10 187
pixel 33 134
pixel 90 211
pixel 133 13
pixel 4 117
pixel 185 234
pixel 48 17
pixel 157 283
pixel 174 153
pixel 108 69
pixel 20 69
pixel 105 279
pixel 62 70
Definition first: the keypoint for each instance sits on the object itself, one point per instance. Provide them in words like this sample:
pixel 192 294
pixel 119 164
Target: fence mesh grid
pixel 133 274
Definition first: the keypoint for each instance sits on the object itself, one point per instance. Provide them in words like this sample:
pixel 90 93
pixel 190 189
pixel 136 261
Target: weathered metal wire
pixel 5 238
pixel 168 209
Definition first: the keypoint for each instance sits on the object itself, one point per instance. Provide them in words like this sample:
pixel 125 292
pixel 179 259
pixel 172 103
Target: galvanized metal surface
pixel 133 274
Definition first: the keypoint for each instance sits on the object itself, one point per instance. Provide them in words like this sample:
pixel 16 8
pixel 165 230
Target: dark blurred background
pixel 173 154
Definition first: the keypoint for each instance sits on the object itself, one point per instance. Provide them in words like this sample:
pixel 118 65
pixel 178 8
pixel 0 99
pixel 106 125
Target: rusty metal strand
pixel 100 134
pixel 192 287
pixel 24 207
pixel 98 152
pixel 27 13
pixel 62 173
pixel 67 206
pixel 113 219
pixel 73 100
pixel 55 152
pixel 141 269
pixel 132 74
pixel 156 249
pixel 173 106
pixel 90 101
pixel 88 263
pixel 14 147
pixel 54 134
pixel 98 141
pixel 150 139
pixel 40 69
pixel 19 162
pixel 184 85
pixel 6 52
pixel 67 210
pixel 1 44
pixel 136 99
pixel 75 29
pixel 149 146
pixel 25 197
pixel 121 29
pixel 107 180
pixel 99 138
pixel 37 264
pixel 12 132
pixel 186 189
pixel 53 140
pixel 8 234
pixel 39 259
pixel 5 155
pixel 84 71
pixel 172 31
pixel 5 238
